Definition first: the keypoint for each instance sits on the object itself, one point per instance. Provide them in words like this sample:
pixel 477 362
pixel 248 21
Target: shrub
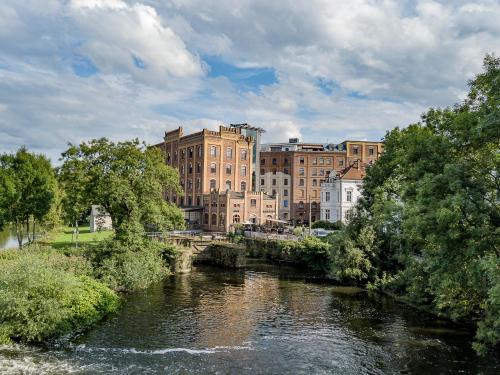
pixel 42 296
pixel 315 254
pixel 129 267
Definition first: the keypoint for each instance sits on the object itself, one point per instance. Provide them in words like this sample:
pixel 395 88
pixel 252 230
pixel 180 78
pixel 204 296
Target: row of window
pixel 355 150
pixel 229 152
pixel 348 196
pixel 314 205
pixel 229 168
pixel 213 152
pixel 190 153
pixel 302 171
pixel 213 185
pixel 315 161
pixel 327 215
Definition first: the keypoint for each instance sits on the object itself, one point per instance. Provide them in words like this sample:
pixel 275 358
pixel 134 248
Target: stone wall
pixel 223 254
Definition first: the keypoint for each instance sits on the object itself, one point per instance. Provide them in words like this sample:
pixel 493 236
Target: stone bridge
pixel 214 249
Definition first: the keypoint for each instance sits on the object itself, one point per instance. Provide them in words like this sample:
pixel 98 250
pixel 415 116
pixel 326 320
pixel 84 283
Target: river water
pixel 257 321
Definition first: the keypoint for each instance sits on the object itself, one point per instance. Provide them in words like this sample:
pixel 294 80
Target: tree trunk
pixel 76 225
pixel 19 234
pixel 28 230
pixel 34 224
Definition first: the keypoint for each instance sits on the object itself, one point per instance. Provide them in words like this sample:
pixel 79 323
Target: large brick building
pixel 296 170
pixel 215 170
pixel 208 160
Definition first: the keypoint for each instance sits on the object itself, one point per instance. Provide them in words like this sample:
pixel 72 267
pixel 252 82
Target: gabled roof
pixel 352 173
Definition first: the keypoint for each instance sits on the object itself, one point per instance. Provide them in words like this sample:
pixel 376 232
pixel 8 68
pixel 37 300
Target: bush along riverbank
pixel 46 293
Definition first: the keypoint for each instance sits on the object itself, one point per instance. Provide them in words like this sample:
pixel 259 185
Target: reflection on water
pixel 256 322
pixel 8 238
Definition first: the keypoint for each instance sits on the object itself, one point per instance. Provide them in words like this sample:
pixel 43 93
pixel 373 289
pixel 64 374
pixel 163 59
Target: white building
pixel 340 192
pixel 99 219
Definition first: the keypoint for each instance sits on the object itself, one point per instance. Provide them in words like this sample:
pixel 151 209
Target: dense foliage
pixel 328 225
pixel 130 267
pixel 311 252
pixel 127 179
pixel 28 191
pixel 45 294
pixel 427 226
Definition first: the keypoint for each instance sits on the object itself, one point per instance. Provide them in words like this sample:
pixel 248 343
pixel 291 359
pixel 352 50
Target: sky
pixel 320 70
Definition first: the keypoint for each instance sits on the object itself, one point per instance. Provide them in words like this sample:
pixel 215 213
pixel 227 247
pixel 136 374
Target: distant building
pixel 340 193
pixel 296 170
pixel 99 219
pixel 223 210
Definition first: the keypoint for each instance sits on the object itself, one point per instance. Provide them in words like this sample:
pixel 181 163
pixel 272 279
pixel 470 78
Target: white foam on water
pixel 216 349
pixel 37 366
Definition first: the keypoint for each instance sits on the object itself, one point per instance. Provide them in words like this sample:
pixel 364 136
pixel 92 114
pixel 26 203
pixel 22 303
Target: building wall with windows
pixel 222 210
pixel 296 170
pixel 208 160
pixel 340 193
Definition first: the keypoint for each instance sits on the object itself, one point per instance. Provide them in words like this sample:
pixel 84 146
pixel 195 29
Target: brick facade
pixel 295 171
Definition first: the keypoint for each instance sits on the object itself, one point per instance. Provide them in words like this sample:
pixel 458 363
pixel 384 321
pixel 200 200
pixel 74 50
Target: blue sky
pixel 315 69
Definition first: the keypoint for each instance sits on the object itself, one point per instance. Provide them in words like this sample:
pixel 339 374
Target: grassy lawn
pixel 62 238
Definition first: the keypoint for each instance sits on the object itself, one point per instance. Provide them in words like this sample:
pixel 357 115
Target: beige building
pixel 223 210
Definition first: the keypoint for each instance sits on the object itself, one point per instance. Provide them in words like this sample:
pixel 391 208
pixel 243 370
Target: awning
pixel 277 221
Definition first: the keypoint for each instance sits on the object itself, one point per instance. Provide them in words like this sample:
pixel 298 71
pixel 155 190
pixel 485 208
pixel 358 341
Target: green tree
pixel 433 205
pixel 127 179
pixel 28 190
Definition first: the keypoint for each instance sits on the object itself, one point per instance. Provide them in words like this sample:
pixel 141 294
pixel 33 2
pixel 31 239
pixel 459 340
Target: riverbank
pixel 50 288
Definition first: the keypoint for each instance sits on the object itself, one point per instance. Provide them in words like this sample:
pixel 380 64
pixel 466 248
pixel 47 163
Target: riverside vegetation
pixel 426 229
pixel 46 293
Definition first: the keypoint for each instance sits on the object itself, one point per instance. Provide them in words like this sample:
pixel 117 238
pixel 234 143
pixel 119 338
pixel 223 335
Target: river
pixel 257 321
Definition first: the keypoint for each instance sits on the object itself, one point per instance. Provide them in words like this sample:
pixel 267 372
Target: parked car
pixel 321 232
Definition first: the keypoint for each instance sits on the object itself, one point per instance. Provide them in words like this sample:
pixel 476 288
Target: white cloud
pixel 344 69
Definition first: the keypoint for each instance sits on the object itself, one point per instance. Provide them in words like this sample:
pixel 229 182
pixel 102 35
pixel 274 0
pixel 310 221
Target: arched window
pixel 228 185
pixel 198 168
pixel 229 153
pixel 243 171
pixel 213 168
pixel 228 168
pixel 313 205
pixel 214 219
pixel 222 220
pixel 243 154
pixel 301 204
pixel 212 184
pixel 190 169
pixel 315 182
pixel 243 186
pixel 213 151
pixel 190 201
pixel 182 169
pixel 190 184
pixel 206 219
pixel 236 218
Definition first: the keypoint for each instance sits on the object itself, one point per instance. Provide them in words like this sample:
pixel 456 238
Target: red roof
pixel 352 173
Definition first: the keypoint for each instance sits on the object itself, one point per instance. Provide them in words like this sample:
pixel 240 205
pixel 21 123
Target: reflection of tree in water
pixel 414 340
